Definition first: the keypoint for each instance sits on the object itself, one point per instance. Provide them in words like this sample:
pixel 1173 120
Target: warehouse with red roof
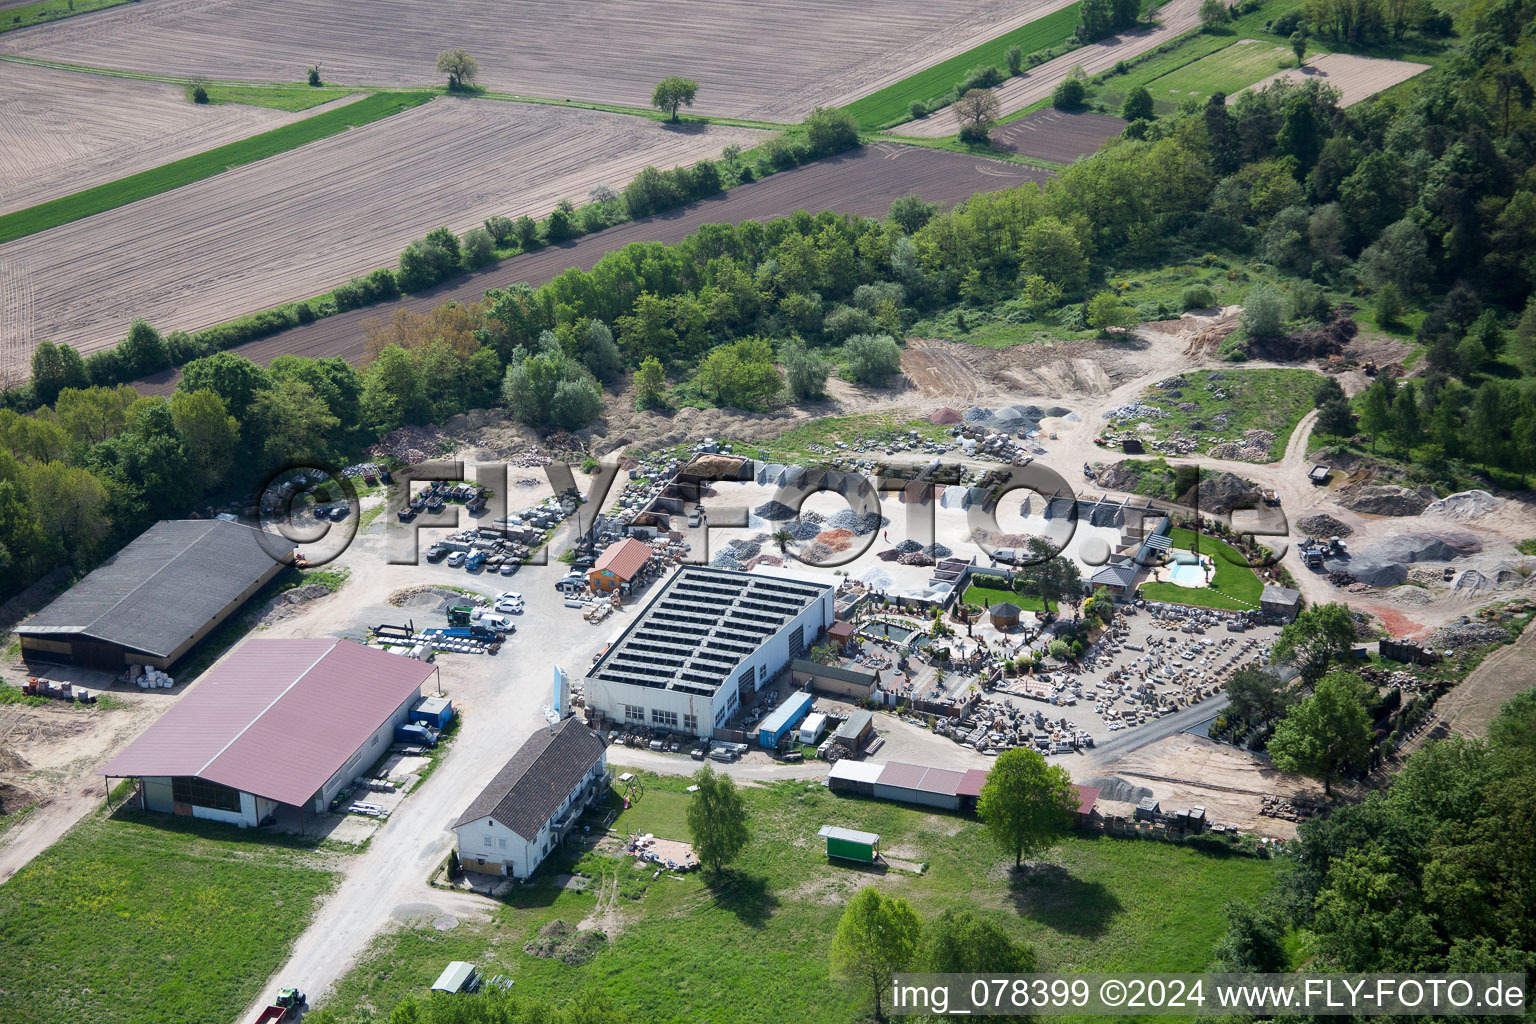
pixel 275 723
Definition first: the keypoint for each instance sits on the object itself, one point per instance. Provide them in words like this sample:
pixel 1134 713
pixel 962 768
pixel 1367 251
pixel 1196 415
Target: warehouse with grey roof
pixel 705 643
pixel 153 600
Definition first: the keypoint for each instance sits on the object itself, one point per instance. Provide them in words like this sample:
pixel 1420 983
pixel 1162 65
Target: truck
pixel 286 1006
pixel 416 734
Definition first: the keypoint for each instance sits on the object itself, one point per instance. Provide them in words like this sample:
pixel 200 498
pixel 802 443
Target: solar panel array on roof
pixel 700 625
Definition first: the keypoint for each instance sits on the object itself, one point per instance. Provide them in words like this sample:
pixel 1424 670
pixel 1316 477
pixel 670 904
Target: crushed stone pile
pixel 1009 418
pixel 1135 411
pixel 1323 525
pixel 888 555
pixel 1112 787
pixel 814 518
pixel 1389 500
pixel 937 551
pixel 1441 546
pixel 835 540
pixel 1466 634
pixel 915 558
pixel 1410 595
pixel 744 549
pixel 859 522
pixel 1462 505
pixel 413 444
pixel 1224 492
pixel 774 511
pixel 875 578
pixel 725 560
pixel 908 546
pixel 815 553
pixel 800 529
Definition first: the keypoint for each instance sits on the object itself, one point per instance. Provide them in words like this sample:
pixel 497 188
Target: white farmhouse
pixel 533 801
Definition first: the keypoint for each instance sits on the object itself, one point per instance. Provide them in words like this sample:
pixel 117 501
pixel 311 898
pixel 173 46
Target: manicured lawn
pixel 49 10
pixel 278 97
pixel 1228 402
pixel 748 949
pixel 988 596
pixel 1227 71
pixel 894 102
pixel 142 919
pixel 1234 586
pixel 205 165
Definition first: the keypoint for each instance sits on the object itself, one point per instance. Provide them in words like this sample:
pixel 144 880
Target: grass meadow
pixel 755 944
pixel 143 919
pixel 1261 399
pixel 111 195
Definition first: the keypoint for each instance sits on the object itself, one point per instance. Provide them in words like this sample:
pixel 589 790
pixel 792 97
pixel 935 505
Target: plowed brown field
pixel 309 219
pixel 1357 78
pixel 863 182
pixel 61 132
pixel 1056 135
pixel 770 60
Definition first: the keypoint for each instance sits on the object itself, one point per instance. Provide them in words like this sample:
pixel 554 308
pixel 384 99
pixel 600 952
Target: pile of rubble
pixel 1466 634
pixel 1386 500
pixel 1323 525
pixel 1254 447
pixel 413 444
pixel 1462 505
pixel 774 511
pixel 859 522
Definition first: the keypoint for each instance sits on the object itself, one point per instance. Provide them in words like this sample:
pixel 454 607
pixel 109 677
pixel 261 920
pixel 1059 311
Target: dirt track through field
pixel 773 61
pixel 1034 85
pixel 863 182
pixel 61 132
pixel 307 220
pixel 1056 135
pixel 1357 78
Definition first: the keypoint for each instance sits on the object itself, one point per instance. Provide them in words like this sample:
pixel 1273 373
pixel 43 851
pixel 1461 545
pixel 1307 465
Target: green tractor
pixel 287 1006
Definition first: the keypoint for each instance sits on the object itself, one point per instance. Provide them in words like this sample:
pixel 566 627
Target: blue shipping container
pixel 784 718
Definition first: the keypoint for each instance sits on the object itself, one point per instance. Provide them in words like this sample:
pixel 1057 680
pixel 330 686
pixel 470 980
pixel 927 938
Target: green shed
pixel 847 844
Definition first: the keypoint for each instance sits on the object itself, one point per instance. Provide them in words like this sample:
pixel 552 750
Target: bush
pixel 910 212
pixel 976 134
pixel 199 93
pixel 527 231
pixel 872 358
pixel 983 77
pixel 918 109
pixel 846 321
pixel 1197 297
pixel 478 249
pixel 1284 25
pixel 1014 58
pixel 1068 94
pixel 1388 305
pixel 650 192
pixel 558 227
pixel 314 76
pixel 1263 313
pixel 830 131
pixel 500 228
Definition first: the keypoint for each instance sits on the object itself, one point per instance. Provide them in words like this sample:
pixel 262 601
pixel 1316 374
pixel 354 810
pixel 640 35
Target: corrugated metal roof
pixel 157 592
pixel 856 771
pixel 858 721
pixel 624 559
pixel 545 770
pixel 1087 796
pixel 941 781
pixel 1279 595
pixel 276 718
pixel 971 785
pixel 781 715
pixel 848 835
pixel 901 776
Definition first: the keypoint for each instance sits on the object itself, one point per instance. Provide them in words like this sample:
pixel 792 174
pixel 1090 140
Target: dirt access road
pixel 1021 91
pixel 864 182
pixel 1476 700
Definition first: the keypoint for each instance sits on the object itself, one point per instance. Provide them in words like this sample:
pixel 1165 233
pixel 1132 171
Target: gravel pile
pixel 859 523
pixel 814 518
pixel 1323 525
pixel 745 549
pixel 725 560
pixel 1135 410
pixel 1388 501
pixel 815 553
pixel 801 529
pixel 915 558
pixel 876 578
pixel 1462 505
pixel 1466 634
pixel 888 555
pixel 908 547
pixel 835 540
pixel 1410 595
pixel 937 551
pixel 1009 418
pixel 945 417
pixel 774 511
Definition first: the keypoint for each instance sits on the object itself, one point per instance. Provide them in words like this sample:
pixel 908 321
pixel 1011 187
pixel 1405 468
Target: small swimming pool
pixel 1187 574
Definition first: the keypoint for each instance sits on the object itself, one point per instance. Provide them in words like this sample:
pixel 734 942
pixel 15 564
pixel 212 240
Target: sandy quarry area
pixel 1357 78
pixel 1174 19
pixel 62 132
pixel 309 219
pixel 610 50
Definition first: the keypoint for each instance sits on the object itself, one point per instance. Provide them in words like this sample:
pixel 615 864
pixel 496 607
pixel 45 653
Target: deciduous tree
pixel 717 819
pixel 1026 804
pixel 673 92
pixel 1326 732
pixel 877 936
pixel 459 66
pixel 1317 638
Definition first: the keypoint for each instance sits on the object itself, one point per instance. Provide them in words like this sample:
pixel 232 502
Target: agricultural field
pixel 1228 70
pixel 1357 78
pixel 894 102
pixel 61 132
pixel 864 181
pixel 615 53
pixel 744 949
pixel 1035 85
pixel 139 920
pixel 1056 135
pixel 308 219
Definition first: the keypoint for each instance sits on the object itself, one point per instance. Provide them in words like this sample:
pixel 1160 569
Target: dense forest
pixel 1420 204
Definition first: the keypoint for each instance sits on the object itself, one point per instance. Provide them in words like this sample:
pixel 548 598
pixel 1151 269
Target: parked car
pixel 509 568
pixel 500 623
pixel 437 552
pixel 510 607
pixel 456 559
pixel 510 595
pixel 339 512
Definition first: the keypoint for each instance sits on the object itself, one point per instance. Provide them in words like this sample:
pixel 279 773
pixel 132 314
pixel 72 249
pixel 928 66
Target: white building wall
pixel 764 664
pixel 365 756
pixel 489 846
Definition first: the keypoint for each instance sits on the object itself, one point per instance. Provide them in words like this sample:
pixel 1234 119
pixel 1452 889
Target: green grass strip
pixel 112 194
pixel 50 10
pixel 894 102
